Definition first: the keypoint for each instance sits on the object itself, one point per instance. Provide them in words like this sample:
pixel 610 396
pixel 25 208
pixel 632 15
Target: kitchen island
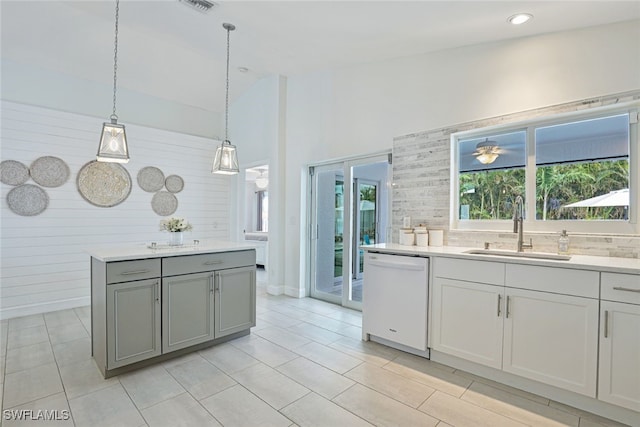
pixel 152 304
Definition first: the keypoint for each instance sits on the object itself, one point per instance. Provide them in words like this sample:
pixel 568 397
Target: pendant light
pixel 113 142
pixel 262 182
pixel 226 160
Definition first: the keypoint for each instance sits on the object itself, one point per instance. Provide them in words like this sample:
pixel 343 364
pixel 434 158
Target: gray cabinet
pixel 133 322
pixel 187 310
pixel 145 310
pixel 235 300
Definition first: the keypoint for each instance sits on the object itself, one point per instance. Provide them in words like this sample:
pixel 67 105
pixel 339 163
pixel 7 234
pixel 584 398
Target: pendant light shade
pixel 226 160
pixel 113 142
pixel 262 182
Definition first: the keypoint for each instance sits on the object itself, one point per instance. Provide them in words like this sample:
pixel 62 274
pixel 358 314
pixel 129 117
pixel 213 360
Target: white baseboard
pixel 296 292
pixel 27 310
pixel 275 290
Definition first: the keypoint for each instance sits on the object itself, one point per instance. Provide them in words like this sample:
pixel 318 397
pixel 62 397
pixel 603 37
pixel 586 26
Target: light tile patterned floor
pixel 303 364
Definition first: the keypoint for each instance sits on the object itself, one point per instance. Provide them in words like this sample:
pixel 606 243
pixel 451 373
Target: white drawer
pixel 620 287
pixel 488 272
pixel 558 280
pixel 127 271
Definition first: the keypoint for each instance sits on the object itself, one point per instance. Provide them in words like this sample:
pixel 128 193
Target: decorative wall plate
pixel 27 200
pixel 49 171
pixel 104 184
pixel 150 179
pixel 13 172
pixel 174 183
pixel 164 203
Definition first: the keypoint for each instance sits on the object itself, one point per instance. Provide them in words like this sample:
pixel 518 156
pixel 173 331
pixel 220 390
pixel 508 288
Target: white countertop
pixel 583 262
pixel 141 251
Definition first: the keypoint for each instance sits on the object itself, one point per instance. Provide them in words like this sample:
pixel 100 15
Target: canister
pixel 422 238
pixel 436 237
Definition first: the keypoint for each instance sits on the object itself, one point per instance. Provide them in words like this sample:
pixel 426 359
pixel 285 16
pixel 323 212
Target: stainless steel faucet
pixel 518 226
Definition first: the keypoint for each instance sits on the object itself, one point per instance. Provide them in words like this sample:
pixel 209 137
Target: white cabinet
pixel 507 316
pixel 467 320
pixel 619 373
pixel 394 303
pixel 552 338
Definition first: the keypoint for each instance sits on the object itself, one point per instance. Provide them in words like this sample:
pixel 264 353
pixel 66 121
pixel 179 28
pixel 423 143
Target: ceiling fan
pixel 487 151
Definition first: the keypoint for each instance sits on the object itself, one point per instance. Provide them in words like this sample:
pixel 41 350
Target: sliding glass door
pixel 349 206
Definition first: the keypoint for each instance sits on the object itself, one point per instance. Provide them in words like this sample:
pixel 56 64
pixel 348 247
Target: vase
pixel 176 238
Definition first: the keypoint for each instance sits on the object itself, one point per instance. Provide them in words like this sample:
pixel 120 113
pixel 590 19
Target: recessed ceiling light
pixel 243 69
pixel 519 18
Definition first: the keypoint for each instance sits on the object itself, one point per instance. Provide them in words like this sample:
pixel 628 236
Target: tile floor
pixel 303 364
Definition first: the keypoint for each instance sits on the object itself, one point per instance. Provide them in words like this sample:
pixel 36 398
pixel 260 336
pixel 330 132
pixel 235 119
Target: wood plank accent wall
pixel 421 186
pixel 44 266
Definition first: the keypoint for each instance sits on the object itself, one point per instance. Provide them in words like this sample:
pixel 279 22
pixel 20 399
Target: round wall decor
pixel 164 203
pixel 13 172
pixel 174 183
pixel 104 184
pixel 49 171
pixel 150 179
pixel 27 200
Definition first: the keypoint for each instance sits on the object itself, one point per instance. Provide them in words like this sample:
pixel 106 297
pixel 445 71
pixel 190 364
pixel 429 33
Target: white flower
pixel 175 225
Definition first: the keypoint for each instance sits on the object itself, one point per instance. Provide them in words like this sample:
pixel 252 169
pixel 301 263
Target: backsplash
pixel 421 186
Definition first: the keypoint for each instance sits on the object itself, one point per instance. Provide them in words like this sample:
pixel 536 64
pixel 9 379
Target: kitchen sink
pixel 536 255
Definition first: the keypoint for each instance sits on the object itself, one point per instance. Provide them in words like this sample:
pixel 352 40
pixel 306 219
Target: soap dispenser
pixel 563 243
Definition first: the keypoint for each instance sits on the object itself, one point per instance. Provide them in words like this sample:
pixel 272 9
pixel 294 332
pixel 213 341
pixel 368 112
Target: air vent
pixel 203 6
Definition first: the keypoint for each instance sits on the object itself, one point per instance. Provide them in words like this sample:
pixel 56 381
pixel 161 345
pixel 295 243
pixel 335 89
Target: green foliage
pixel 490 194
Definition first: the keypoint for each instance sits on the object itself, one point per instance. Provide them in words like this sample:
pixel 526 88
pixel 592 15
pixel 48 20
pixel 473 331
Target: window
pixel 574 172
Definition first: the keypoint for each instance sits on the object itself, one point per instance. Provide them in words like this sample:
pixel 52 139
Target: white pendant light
pixel 262 181
pixel 226 159
pixel 113 142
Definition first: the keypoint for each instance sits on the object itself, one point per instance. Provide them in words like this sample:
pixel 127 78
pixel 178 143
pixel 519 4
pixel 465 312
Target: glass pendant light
pixel 226 160
pixel 113 142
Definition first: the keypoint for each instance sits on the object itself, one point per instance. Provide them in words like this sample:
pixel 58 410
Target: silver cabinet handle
pixel 508 305
pixel 211 283
pixel 620 288
pixel 499 303
pixel 606 324
pixel 156 293
pixel 217 283
pixel 130 273
pixel 216 262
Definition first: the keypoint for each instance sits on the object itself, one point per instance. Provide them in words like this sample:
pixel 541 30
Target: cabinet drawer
pixel 581 283
pixel 621 287
pixel 173 266
pixel 470 270
pixel 127 271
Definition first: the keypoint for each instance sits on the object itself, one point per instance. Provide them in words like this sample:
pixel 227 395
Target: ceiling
pixel 173 52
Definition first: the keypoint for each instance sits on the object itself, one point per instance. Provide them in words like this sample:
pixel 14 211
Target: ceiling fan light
pixel 487 158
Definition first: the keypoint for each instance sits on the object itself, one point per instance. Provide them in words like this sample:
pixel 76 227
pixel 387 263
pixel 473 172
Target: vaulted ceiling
pixel 173 52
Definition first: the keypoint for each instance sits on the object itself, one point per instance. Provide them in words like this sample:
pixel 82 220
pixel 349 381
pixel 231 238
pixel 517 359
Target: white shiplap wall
pixel 44 265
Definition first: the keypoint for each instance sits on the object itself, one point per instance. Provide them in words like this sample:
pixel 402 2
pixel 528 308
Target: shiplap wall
pixel 44 265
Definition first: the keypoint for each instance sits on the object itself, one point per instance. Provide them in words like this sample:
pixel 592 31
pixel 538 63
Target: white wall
pixel 44 263
pixel 360 109
pixel 35 86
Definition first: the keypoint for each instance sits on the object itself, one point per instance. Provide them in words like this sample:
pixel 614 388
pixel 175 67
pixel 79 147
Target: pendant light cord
pixel 226 105
pixel 115 62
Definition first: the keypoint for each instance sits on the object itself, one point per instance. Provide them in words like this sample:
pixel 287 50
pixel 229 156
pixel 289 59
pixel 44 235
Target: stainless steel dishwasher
pixel 394 301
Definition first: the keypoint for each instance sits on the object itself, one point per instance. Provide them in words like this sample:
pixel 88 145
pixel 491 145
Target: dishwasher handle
pixel 397 264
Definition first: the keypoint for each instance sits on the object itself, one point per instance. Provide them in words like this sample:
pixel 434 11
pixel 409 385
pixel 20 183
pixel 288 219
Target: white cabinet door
pixel 187 310
pixel 552 338
pixel 467 320
pixel 620 355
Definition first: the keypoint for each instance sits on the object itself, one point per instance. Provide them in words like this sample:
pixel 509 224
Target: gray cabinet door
pixel 187 310
pixel 133 322
pixel 235 300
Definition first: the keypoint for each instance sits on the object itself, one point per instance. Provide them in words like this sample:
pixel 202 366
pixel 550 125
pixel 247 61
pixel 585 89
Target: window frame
pixel 531 224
